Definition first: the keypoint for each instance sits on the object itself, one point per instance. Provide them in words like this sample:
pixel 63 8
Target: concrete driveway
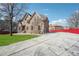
pixel 51 44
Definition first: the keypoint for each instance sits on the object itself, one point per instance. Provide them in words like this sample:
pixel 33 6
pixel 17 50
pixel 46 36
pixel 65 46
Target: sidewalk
pixel 51 44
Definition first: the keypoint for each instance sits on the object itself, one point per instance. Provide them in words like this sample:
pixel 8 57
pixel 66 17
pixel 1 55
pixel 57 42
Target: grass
pixel 7 39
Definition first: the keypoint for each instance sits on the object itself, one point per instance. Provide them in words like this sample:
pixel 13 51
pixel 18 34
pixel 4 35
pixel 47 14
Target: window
pixel 19 28
pixel 38 27
pixel 31 27
pixel 27 27
pixel 23 27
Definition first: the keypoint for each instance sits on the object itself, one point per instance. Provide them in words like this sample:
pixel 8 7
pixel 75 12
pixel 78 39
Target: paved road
pixel 51 44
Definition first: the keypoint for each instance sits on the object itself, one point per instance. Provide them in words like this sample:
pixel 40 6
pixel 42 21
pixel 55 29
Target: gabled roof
pixel 43 17
pixel 31 17
pixel 25 16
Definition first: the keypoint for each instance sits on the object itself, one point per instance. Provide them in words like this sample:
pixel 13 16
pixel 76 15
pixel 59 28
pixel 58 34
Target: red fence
pixel 67 30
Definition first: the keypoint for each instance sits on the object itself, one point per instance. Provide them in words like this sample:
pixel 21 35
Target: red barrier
pixel 67 30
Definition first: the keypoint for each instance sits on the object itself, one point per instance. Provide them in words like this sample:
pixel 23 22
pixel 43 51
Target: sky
pixel 57 13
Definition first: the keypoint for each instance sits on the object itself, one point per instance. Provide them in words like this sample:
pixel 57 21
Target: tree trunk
pixel 11 27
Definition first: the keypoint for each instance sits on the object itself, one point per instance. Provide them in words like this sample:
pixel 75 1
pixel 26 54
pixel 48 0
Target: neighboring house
pixel 55 27
pixel 35 23
pixel 66 27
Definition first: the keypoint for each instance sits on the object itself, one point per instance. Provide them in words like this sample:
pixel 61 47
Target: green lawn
pixel 7 39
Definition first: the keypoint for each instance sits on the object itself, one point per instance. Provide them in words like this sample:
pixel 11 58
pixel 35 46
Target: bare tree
pixel 73 21
pixel 11 10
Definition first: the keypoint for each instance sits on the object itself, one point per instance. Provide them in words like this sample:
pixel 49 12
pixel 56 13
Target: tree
pixel 11 10
pixel 5 25
pixel 73 21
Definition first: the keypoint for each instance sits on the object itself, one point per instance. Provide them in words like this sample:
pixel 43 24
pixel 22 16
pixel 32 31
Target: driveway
pixel 51 44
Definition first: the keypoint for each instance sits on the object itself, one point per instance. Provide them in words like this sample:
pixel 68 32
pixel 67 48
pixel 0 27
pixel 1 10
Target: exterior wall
pixel 36 25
